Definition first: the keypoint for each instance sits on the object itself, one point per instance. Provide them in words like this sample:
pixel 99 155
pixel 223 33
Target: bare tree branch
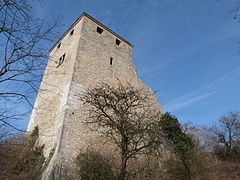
pixel 124 114
pixel 23 54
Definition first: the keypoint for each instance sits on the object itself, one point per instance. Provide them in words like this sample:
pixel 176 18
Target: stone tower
pixel 88 53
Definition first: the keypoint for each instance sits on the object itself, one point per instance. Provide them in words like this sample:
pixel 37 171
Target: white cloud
pixel 203 93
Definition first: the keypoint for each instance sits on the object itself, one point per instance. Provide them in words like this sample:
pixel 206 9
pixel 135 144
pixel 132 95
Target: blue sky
pixel 187 50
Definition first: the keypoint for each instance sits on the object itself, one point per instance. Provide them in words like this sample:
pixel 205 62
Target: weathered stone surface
pixel 58 111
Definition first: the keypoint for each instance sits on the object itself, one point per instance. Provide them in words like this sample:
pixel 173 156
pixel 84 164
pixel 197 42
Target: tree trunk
pixel 124 151
pixel 230 141
pixel 123 170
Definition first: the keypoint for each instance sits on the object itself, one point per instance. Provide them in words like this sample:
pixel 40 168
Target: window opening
pixel 61 60
pixel 59 45
pixel 111 60
pixel 118 41
pixel 71 33
pixel 99 30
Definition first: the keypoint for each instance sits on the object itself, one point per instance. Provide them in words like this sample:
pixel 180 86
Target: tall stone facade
pixel 87 54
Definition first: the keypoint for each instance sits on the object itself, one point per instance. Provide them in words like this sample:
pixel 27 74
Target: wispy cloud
pixel 152 69
pixel 203 93
pixel 186 100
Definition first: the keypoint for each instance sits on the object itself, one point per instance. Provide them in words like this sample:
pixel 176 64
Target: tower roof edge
pixel 84 14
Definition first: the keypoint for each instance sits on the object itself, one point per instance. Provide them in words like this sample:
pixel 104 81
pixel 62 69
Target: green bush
pixel 179 141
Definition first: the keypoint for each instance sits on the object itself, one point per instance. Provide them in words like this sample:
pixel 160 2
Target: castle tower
pixel 88 53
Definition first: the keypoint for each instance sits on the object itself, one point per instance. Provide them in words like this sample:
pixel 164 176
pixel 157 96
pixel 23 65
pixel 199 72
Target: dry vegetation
pixel 20 158
pixel 195 153
pixel 192 152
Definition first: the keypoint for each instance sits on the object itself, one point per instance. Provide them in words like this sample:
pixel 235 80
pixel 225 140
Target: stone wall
pixel 49 108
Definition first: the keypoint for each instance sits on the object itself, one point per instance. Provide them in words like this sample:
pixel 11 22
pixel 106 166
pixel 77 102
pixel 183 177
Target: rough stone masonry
pixel 87 54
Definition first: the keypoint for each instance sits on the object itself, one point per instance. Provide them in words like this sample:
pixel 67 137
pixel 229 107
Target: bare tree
pixel 200 136
pixel 227 133
pixel 23 56
pixel 124 114
pixel 235 10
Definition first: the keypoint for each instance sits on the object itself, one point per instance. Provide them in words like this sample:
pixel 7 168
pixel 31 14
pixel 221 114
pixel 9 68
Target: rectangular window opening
pixel 61 60
pixel 118 42
pixel 99 30
pixel 71 33
pixel 111 60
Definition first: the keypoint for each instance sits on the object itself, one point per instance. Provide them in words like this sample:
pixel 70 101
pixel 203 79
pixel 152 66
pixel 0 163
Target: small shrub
pixel 146 168
pixel 199 166
pixel 93 166
pixel 199 163
pixel 175 169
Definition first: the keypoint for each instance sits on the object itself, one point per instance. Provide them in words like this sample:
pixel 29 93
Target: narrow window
pixel 99 30
pixel 61 60
pixel 118 42
pixel 59 45
pixel 111 60
pixel 71 33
